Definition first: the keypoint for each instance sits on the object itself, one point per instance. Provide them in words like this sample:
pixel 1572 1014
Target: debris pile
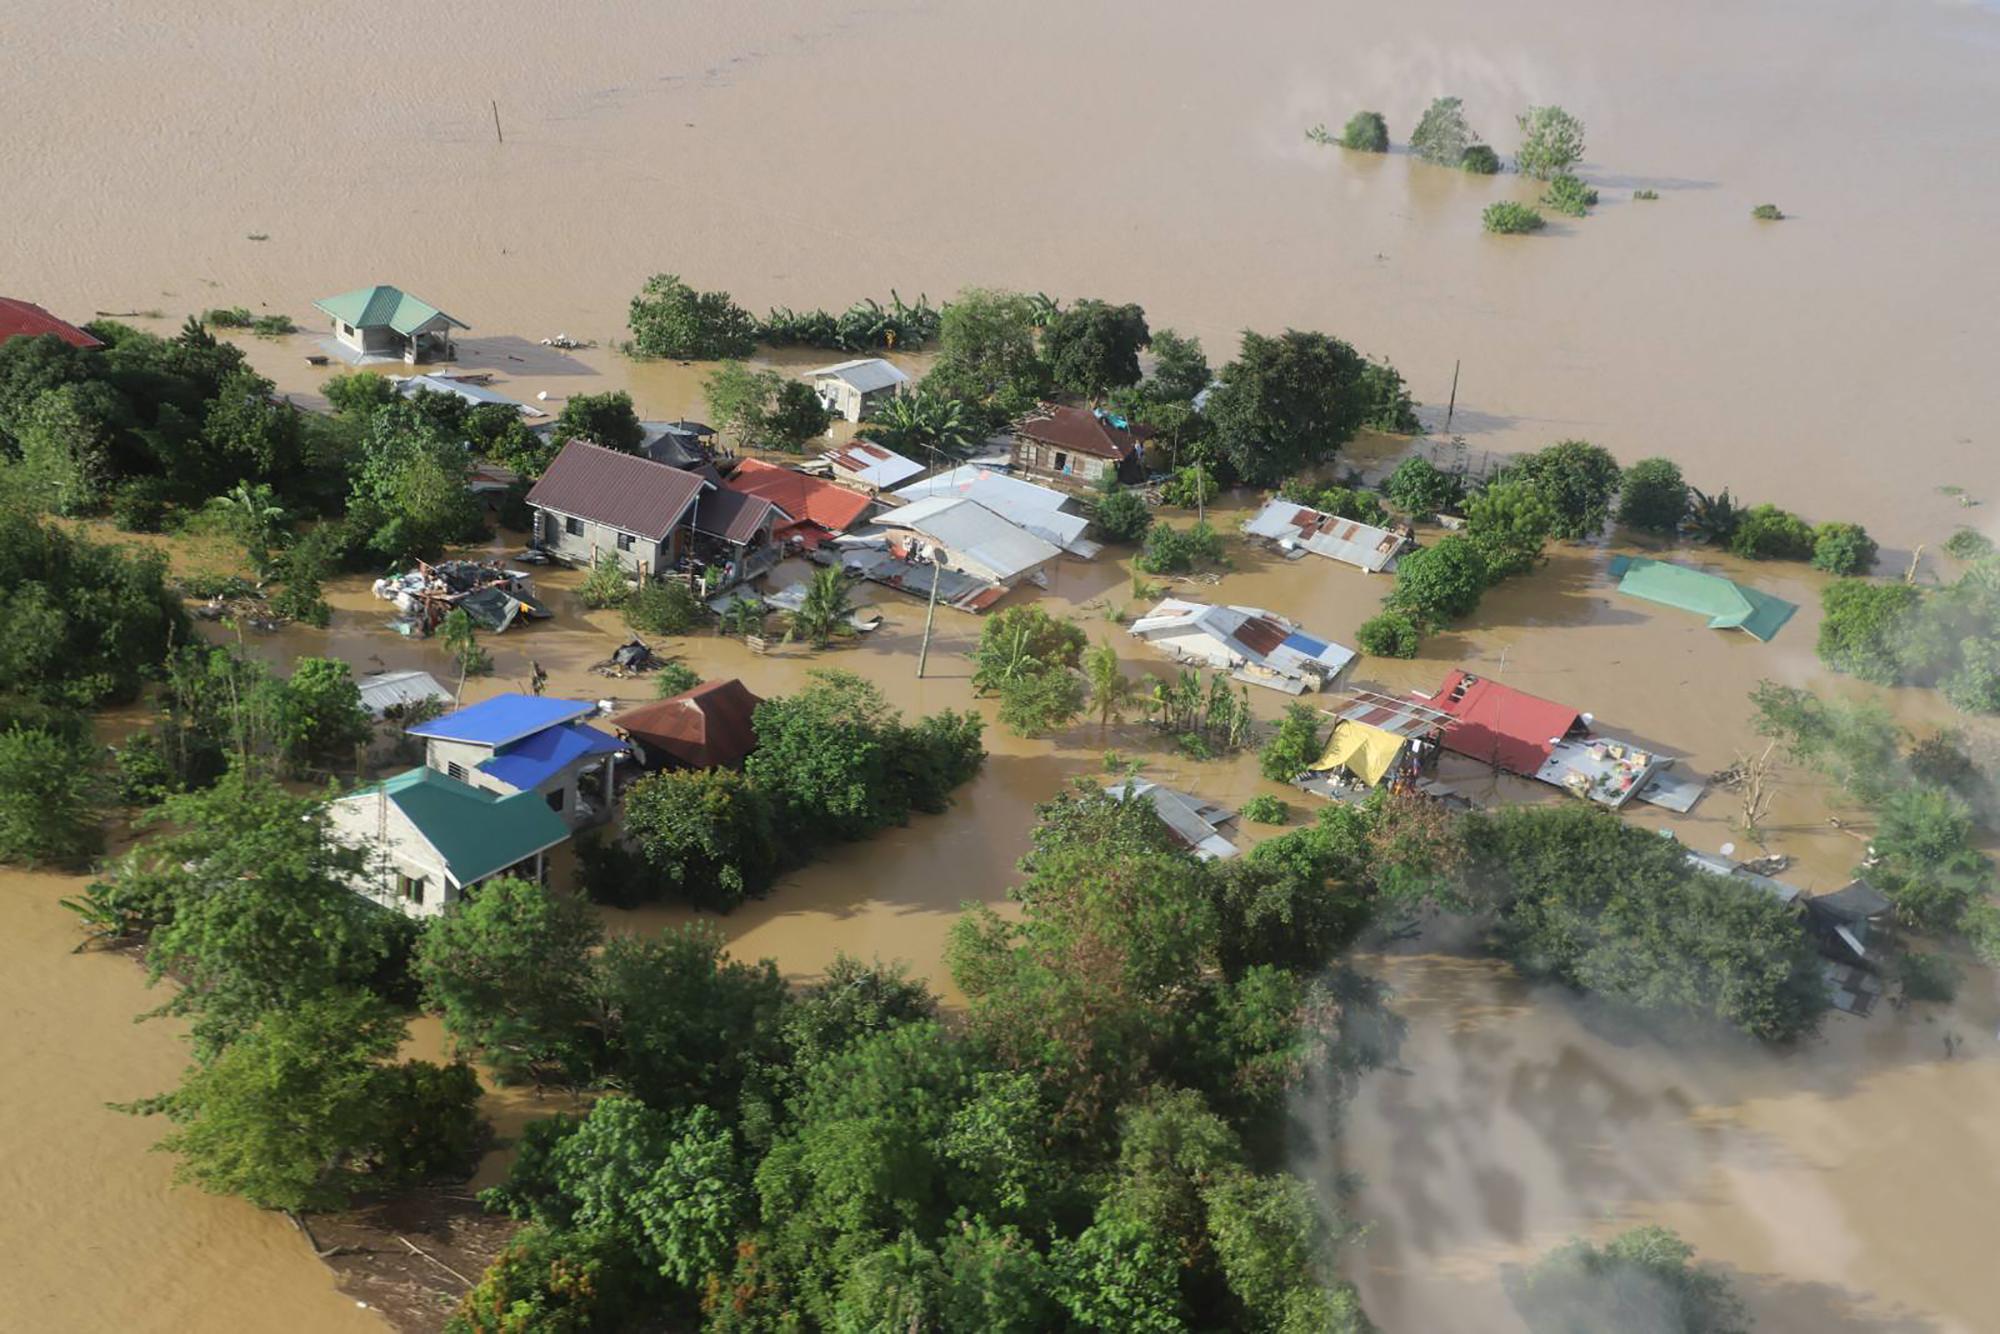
pixel 492 595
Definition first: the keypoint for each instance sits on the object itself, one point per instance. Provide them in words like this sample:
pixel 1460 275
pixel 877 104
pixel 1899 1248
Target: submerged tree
pixel 1551 142
pixel 1442 134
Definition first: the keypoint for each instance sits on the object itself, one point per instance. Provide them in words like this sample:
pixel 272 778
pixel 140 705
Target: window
pixel 574 527
pixel 410 887
pixel 556 801
pixel 454 769
pixel 347 328
pixel 1062 463
pixel 625 541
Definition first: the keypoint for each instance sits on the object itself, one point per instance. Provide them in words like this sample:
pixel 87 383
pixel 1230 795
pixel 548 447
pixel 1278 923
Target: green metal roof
pixel 475 831
pixel 1727 604
pixel 374 307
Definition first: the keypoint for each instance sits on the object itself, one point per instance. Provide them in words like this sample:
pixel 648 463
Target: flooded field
pixel 811 154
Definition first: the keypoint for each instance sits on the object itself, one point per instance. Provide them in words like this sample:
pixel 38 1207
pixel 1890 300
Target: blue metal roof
pixel 1305 644
pixel 502 719
pixel 532 761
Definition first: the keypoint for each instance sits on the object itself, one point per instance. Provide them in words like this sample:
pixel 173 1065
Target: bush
pixel 1843 548
pixel 273 326
pixel 675 678
pixel 1653 496
pixel 1640 1282
pixel 1767 213
pixel 1645 195
pixel 1170 550
pixel 1480 160
pixel 48 798
pixel 1508 218
pixel 1294 746
pixel 1437 584
pixel 1569 196
pixel 1865 627
pixel 1928 977
pixel 145 777
pixel 1344 502
pixel 1024 641
pixel 1421 489
pixel 140 504
pixel 227 317
pixel 662 607
pixel 1190 486
pixel 1975 686
pixel 1040 702
pixel 1551 142
pixel 607 584
pixel 1966 544
pixel 1769 533
pixel 1121 515
pixel 1366 132
pixel 671 319
pixel 710 834
pixel 1390 635
pixel 1266 809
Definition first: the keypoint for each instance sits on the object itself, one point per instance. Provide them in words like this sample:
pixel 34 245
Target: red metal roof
pixel 623 491
pixel 808 500
pixel 1500 725
pixel 705 728
pixel 1080 431
pixel 25 319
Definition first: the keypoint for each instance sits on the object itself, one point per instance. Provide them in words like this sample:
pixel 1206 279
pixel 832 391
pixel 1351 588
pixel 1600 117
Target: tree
pixel 1171 550
pixel 1390 635
pixel 460 636
pixel 1509 522
pixel 357 394
pixel 603 419
pixel 987 355
pixel 1578 480
pixel 1442 135
pixel 296 1113
pixel 1111 691
pixel 1287 403
pixel 1480 160
pixel 1345 502
pixel 1569 196
pixel 662 607
pixel 823 756
pixel 1439 583
pixel 1653 496
pixel 1386 404
pixel 1093 348
pixel 709 832
pixel 80 623
pixel 1866 626
pixel 1180 370
pixel 65 461
pixel 739 398
pixel 796 416
pixel 1291 749
pixel 1854 742
pixel 1843 548
pixel 321 717
pixel 1421 489
pixel 409 495
pixel 1641 1281
pixel 1366 132
pixel 1041 702
pixel 1713 518
pixel 671 319
pixel 551 1281
pixel 1770 533
pixel 509 968
pixel 1120 514
pixel 1551 142
pixel 1507 217
pixel 1024 641
pixel 824 610
pixel 48 798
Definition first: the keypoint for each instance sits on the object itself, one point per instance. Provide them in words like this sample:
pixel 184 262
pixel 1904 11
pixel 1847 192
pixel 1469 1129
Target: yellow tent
pixel 1364 751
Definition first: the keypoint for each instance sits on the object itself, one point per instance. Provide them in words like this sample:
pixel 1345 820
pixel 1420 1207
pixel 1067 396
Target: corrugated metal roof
pixel 1194 823
pixel 1359 544
pixel 976 535
pixel 383 306
pixel 476 832
pixel 622 491
pixel 25 319
pixel 503 719
pixel 1386 713
pixel 1240 637
pixel 1039 509
pixel 804 499
pixel 478 395
pixel 1727 604
pixel 870 464
pixel 1500 725
pixel 389 690
pixel 864 375
pixel 528 763
pixel 704 728
pixel 734 516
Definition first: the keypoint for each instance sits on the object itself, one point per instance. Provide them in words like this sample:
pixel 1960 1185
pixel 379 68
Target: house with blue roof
pixel 529 743
pixel 429 838
pixel 1253 645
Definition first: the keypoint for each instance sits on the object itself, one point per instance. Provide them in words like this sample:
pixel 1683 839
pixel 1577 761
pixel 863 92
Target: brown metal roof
pixel 733 516
pixel 708 727
pixel 25 319
pixel 1080 431
pixel 1260 635
pixel 622 491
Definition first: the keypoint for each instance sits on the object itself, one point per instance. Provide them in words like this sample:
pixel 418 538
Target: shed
pixel 1294 526
pixel 386 693
pixel 708 727
pixel 1252 644
pixel 869 466
pixel 385 321
pixel 1042 511
pixel 855 389
pixel 25 319
pixel 478 395
pixel 1727 604
pixel 1196 824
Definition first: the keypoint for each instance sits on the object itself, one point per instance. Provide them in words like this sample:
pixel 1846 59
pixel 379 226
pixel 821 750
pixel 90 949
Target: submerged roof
pixel 502 719
pixel 621 491
pixel 1727 604
pixel 1501 725
pixel 1194 823
pixel 528 763
pixel 970 532
pixel 871 464
pixel 476 832
pixel 1083 431
pixel 703 728
pixel 25 319
pixel 388 690
pixel 1258 643
pixel 864 375
pixel 1039 509
pixel 804 499
pixel 383 306
pixel 1323 534
pixel 475 394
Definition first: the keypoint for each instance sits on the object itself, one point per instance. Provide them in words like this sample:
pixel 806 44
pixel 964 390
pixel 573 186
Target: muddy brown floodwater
pixel 806 153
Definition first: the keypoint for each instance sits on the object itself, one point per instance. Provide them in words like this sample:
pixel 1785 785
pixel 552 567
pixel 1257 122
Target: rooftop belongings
pixel 494 596
pixel 1378 738
pixel 25 319
pixel 1253 645
pixel 1553 743
pixel 865 464
pixel 1727 604
pixel 1297 527
pixel 975 539
pixel 814 507
pixel 704 728
pixel 1040 510
pixel 389 694
pixel 1195 822
pixel 1095 432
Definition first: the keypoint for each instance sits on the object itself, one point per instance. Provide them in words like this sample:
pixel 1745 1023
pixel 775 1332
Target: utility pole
pixel 1200 495
pixel 1452 407
pixel 498 137
pixel 930 614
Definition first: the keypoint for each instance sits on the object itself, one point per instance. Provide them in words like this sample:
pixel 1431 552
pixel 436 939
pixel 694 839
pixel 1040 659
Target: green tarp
pixel 1727 604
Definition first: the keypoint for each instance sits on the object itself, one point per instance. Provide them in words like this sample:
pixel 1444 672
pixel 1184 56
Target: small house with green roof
pixel 384 321
pixel 1727 604
pixel 429 838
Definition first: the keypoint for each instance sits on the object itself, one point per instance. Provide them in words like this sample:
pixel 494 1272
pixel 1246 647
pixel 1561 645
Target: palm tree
pixel 825 606
pixel 1111 691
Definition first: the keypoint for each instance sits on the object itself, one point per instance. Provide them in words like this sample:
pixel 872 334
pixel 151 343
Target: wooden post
pixel 498 138
pixel 930 616
pixel 1452 407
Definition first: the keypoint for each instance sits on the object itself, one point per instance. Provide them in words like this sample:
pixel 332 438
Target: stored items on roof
pixel 1252 644
pixel 1727 604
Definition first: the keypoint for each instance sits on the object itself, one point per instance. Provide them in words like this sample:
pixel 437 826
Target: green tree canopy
pixel 1551 142
pixel 1093 347
pixel 1442 134
pixel 1578 480
pixel 1439 583
pixel 709 834
pixel 1509 522
pixel 1287 403
pixel 603 419
pixel 1653 496
pixel 1421 489
pixel 671 319
pixel 1643 1281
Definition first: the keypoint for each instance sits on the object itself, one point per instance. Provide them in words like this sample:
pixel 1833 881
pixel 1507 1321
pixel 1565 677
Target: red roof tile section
pixel 809 500
pixel 708 727
pixel 1500 725
pixel 623 491
pixel 25 319
pixel 1082 432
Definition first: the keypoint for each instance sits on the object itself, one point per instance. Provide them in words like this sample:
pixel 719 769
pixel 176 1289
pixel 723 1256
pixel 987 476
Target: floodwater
pixel 810 154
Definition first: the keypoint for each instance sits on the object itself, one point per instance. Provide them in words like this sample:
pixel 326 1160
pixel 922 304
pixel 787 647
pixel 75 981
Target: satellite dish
pixel 1729 849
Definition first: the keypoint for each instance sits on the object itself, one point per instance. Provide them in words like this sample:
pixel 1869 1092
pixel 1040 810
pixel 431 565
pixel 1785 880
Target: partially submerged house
pixel 733 536
pixel 1841 925
pixel 464 388
pixel 529 743
pixel 387 322
pixel 1297 529
pixel 816 509
pixel 1079 445
pixel 593 501
pixel 708 727
pixel 1377 740
pixel 678 444
pixel 1552 743
pixel 429 838
pixel 868 467
pixel 1727 604
pixel 1195 822
pixel 1048 514
pixel 25 319
pixel 972 539
pixel 1251 644
pixel 855 390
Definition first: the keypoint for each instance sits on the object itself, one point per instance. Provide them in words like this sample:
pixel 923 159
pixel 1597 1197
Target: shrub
pixel 671 319
pixel 1928 977
pixel 273 326
pixel 1040 702
pixel 1390 635
pixel 145 777
pixel 1266 809
pixel 48 801
pixel 1421 489
pixel 1438 583
pixel 1769 533
pixel 1569 196
pixel 1171 550
pixel 227 317
pixel 1975 686
pixel 1121 515
pixel 1645 194
pixel 1767 213
pixel 1966 544
pixel 675 678
pixel 1480 160
pixel 140 504
pixel 1653 496
pixel 710 833
pixel 1294 746
pixel 1190 487
pixel 1320 135
pixel 1366 132
pixel 1551 142
pixel 1843 548
pixel 1641 1281
pixel 1508 218
pixel 662 607
pixel 606 585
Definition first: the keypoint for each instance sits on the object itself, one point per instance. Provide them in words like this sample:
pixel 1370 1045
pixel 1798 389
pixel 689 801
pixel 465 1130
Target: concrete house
pixel 528 743
pixel 384 321
pixel 854 390
pixel 429 838
pixel 1079 446
pixel 594 500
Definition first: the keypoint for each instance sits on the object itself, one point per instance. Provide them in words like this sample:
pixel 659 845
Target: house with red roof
pixel 25 319
pixel 816 508
pixel 1079 445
